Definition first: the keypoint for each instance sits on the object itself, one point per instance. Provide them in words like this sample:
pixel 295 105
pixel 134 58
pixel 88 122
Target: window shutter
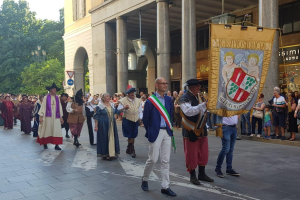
pixel 74 10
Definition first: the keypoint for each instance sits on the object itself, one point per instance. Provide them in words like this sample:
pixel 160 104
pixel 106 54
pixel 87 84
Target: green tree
pixel 18 28
pixel 39 75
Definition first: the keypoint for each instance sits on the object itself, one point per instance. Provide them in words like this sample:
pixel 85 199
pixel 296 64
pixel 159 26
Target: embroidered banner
pixel 239 66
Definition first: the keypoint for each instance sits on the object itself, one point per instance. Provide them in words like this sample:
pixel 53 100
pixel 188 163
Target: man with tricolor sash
pixel 194 131
pixel 158 119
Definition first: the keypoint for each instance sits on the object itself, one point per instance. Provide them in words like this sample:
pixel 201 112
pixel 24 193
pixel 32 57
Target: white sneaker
pixel 251 135
pixel 258 135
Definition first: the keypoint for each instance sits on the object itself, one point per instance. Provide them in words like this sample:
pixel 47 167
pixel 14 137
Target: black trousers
pixel 254 121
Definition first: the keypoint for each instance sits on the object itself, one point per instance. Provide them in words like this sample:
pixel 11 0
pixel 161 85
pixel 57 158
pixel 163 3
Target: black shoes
pixel 193 178
pixel 76 143
pixel 67 136
pixel 232 172
pixel 144 186
pixel 57 148
pixel 45 146
pixel 202 176
pixel 219 173
pixel 168 192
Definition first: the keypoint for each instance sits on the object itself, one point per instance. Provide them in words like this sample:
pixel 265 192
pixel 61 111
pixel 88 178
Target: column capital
pixel 158 1
pixel 121 17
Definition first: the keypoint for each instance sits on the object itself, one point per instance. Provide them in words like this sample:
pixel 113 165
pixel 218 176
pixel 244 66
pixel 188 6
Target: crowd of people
pixel 51 113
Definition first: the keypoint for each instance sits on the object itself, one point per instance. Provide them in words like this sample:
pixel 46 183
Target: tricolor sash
pixel 164 113
pixel 162 110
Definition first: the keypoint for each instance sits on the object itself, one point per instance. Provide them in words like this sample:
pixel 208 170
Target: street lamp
pixel 39 55
pixel 141 44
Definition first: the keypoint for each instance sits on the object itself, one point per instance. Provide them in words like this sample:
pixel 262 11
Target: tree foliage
pixel 39 75
pixel 21 33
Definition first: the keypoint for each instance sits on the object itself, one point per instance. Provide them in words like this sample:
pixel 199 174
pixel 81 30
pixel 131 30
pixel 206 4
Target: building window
pixel 79 9
pixel 176 44
pixel 289 17
pixel 202 38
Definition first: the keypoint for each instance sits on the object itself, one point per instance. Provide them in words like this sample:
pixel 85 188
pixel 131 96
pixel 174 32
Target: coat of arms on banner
pixel 240 85
pixel 239 65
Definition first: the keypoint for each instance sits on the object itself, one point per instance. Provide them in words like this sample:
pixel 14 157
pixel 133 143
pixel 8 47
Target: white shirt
pixel 140 108
pixel 190 110
pixel 70 109
pixel 230 120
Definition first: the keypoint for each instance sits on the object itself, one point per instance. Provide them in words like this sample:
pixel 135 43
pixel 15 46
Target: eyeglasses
pixel 163 83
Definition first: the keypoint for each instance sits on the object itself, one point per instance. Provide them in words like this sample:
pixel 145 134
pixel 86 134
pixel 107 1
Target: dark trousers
pixel 254 121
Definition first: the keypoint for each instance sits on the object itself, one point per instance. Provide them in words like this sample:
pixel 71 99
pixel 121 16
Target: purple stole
pixel 48 106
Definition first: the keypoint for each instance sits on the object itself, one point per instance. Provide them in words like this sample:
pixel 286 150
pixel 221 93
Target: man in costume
pixel 194 131
pixel 132 109
pixel 64 101
pixel 158 120
pixel 16 111
pixel 76 110
pixel 90 110
pixel 7 110
pixel 51 118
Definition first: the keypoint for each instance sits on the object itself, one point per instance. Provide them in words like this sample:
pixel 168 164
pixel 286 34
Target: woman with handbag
pixel 291 122
pixel 258 115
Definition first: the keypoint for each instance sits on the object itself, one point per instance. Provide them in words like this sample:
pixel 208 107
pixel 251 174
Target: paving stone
pixel 64 194
pixel 91 188
pixel 71 176
pixel 38 197
pixel 14 186
pixel 94 196
pixel 11 195
pixel 48 173
pixel 67 184
pixel 43 181
pixel 93 179
pixel 28 171
pixel 27 177
pixel 35 191
pixel 121 192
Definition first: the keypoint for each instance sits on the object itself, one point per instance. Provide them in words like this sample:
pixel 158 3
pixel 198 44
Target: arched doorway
pixel 81 76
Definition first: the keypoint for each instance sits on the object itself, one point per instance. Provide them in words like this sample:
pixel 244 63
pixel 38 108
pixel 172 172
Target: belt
pixel 229 125
pixel 163 128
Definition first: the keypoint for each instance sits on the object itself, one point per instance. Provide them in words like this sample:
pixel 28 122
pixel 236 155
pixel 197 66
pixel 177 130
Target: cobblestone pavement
pixel 27 171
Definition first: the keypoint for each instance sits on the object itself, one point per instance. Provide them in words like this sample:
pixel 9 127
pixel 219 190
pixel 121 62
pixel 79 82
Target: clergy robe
pixel 7 109
pixel 50 130
pixel 26 116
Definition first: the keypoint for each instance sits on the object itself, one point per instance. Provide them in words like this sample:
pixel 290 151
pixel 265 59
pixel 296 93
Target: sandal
pixel 292 139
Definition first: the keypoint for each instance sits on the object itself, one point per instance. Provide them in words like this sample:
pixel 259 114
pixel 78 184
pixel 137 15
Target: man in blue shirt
pixel 157 119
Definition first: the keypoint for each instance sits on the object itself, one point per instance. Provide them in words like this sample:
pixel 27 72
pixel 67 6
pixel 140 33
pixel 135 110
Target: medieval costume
pixel 36 116
pixel 16 109
pixel 50 128
pixel 131 118
pixel 26 116
pixel 65 125
pixel 1 120
pixel 76 110
pixel 7 110
pixel 194 132
pixel 89 110
pixel 107 135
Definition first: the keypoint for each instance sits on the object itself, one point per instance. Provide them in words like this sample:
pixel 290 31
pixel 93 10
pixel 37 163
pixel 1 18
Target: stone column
pixel 189 61
pixel 91 79
pixel 122 55
pixel 269 19
pixel 163 40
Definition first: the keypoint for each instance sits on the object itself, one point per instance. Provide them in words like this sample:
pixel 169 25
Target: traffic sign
pixel 70 73
pixel 70 82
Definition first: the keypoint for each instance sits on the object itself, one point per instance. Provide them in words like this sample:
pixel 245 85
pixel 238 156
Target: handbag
pixel 258 114
pixel 279 110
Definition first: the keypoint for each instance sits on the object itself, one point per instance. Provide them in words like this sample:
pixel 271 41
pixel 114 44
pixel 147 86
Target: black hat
pixel 193 81
pixel 64 94
pixel 130 90
pixel 79 93
pixel 52 86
